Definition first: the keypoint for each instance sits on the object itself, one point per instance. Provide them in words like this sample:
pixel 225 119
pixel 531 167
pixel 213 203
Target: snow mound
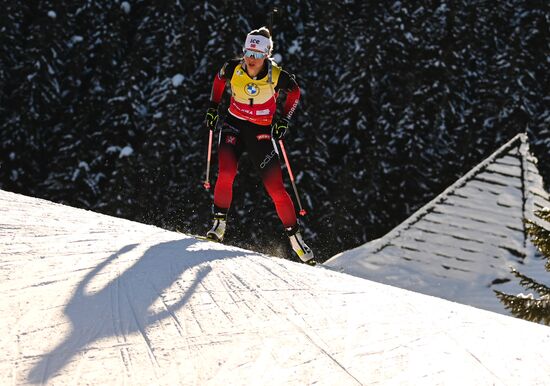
pixel 92 299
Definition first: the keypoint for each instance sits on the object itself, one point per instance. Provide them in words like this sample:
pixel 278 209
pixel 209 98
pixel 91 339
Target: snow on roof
pixel 91 299
pixel 461 245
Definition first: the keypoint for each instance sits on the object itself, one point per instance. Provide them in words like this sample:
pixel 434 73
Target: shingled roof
pixel 462 244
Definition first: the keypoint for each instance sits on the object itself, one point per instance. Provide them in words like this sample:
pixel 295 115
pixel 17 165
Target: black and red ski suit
pixel 248 127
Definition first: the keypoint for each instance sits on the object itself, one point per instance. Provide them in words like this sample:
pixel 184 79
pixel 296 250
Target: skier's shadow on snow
pixel 122 307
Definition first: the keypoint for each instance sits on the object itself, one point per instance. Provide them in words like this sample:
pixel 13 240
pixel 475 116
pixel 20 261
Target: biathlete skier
pixel 256 81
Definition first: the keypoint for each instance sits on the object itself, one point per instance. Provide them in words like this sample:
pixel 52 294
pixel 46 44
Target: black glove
pixel 279 129
pixel 211 118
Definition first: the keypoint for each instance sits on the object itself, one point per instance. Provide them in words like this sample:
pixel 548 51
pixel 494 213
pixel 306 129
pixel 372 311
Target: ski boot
pixel 217 231
pixel 299 246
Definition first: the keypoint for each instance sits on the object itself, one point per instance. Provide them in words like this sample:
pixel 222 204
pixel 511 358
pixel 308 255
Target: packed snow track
pixel 92 299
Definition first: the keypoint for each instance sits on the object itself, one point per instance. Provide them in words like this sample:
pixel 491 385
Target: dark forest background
pixel 102 105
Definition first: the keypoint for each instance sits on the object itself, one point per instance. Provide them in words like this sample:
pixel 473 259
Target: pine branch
pixel 544 214
pixel 531 284
pixel 526 307
pixel 539 235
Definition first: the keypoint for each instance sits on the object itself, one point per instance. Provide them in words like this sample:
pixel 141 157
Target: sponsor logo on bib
pixel 252 89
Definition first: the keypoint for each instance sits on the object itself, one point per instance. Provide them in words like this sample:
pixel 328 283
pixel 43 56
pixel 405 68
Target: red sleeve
pixel 292 98
pixel 217 88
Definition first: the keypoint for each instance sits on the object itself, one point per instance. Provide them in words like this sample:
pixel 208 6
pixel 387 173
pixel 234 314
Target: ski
pixel 312 262
pixel 204 238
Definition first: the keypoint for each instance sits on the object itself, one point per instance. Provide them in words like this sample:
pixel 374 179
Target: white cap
pixel 258 43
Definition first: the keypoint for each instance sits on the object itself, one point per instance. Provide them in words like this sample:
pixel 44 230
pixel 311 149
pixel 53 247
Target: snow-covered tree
pixel 102 105
pixel 535 306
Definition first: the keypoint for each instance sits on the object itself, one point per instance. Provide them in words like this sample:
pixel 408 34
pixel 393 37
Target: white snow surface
pixel 177 80
pixel 126 151
pixel 125 6
pixel 88 299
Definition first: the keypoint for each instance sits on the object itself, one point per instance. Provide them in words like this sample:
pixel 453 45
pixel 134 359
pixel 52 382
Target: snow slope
pixel 462 244
pixel 92 299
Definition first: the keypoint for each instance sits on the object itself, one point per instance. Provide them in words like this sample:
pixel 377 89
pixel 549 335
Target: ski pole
pixel 291 175
pixel 209 156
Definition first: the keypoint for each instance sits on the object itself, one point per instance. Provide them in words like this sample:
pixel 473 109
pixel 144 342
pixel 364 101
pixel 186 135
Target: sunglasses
pixel 254 54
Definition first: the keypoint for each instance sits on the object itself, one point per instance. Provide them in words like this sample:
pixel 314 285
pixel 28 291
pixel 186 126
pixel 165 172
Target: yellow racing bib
pixel 254 99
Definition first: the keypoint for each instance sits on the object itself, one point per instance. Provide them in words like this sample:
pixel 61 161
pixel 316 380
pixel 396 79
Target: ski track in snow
pixel 91 299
